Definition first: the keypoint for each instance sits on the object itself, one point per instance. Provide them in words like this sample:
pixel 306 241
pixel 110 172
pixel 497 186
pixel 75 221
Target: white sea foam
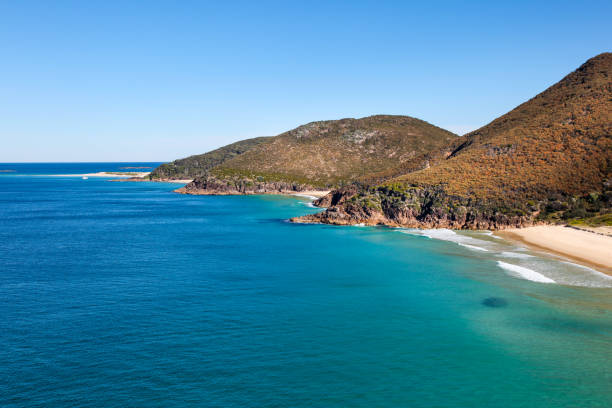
pixel 509 254
pixel 474 247
pixel 443 234
pixel 407 231
pixel 524 265
pixel 591 270
pixel 525 272
pixel 359 225
pixel 451 236
pixel 306 196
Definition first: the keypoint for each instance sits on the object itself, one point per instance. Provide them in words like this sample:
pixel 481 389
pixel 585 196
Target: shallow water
pixel 126 294
pixel 518 261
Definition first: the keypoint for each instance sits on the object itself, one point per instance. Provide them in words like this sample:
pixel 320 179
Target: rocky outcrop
pixel 336 197
pixel 433 207
pixel 210 185
pixel 415 207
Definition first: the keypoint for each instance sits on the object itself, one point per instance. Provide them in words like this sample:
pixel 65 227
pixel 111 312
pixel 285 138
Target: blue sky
pixel 153 80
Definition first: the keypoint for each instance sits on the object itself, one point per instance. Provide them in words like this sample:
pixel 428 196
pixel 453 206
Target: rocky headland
pixel 548 161
pixel 411 208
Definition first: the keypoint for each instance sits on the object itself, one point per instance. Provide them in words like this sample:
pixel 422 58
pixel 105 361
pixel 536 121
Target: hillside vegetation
pixel 198 165
pixel 549 159
pixel 330 153
pixel 558 142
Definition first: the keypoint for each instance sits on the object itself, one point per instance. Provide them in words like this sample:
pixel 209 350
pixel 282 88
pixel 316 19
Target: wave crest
pixel 525 273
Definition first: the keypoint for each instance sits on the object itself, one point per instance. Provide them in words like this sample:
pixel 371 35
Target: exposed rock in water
pixel 495 302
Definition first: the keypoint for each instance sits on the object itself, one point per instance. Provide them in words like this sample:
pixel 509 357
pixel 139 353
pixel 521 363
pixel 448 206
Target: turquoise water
pixel 128 295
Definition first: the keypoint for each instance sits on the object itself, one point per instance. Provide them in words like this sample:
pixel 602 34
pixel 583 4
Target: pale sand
pixel 605 230
pixel 585 247
pixel 184 181
pixel 311 193
pixel 175 181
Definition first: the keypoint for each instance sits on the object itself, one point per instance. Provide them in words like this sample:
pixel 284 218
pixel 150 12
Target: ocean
pixel 125 294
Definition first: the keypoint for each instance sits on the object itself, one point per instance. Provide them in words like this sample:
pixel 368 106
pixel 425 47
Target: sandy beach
pixel 311 193
pixel 589 248
pixel 178 181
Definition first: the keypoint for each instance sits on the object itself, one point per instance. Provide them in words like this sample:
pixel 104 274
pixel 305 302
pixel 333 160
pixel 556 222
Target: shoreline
pixel 131 174
pixel 585 247
pixel 139 179
pixel 310 194
pixel 136 176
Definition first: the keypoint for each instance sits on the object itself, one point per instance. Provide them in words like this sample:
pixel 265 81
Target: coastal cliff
pixel 547 161
pixel 432 207
pixel 412 208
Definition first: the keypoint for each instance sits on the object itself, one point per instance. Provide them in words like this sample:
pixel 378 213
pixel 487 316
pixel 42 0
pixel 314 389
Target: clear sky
pixel 158 80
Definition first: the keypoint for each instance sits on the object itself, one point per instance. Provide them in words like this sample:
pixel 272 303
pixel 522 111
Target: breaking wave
pixel 451 236
pixel 509 254
pixel 518 262
pixel 474 247
pixel 525 273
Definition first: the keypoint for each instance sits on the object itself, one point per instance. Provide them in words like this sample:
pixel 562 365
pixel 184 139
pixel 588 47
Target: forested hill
pixel 548 159
pixel 198 165
pixel 326 154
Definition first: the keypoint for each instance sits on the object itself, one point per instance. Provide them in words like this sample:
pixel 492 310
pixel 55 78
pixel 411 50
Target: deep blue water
pixel 129 295
pixel 72 168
